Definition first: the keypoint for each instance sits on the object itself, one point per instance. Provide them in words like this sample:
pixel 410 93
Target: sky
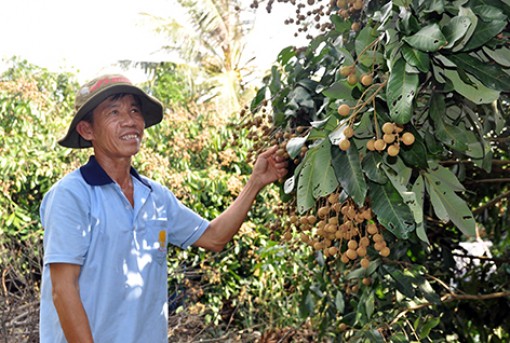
pixel 89 37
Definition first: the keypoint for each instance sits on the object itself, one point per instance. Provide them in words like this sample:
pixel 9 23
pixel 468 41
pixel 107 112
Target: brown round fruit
pixel 351 254
pixel 388 128
pixel 380 145
pixel 389 138
pixel 385 252
pixel 367 80
pixel 371 145
pixel 361 251
pixel 352 79
pixel 408 138
pixel 393 150
pixel 345 70
pixel 352 244
pixel 344 110
pixel 344 144
pixel 348 132
pixel 365 263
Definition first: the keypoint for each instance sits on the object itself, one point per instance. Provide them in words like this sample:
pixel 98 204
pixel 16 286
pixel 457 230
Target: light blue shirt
pixel 122 251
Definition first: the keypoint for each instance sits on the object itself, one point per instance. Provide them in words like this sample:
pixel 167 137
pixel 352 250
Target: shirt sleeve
pixel 65 217
pixel 186 226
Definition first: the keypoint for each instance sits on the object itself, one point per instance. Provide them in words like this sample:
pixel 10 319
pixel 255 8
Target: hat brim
pixel 152 111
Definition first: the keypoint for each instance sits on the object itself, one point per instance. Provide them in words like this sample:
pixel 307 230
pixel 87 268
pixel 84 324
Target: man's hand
pixel 269 167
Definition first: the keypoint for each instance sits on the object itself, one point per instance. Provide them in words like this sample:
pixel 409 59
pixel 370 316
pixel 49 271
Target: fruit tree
pixel 394 121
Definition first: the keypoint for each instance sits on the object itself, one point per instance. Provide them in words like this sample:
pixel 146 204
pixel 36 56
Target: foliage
pixel 397 114
pixel 192 154
pixel 208 37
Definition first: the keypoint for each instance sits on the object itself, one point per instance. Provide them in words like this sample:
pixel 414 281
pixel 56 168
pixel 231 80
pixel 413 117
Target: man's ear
pixel 84 129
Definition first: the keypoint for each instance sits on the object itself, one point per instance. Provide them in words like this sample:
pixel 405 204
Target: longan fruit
pixel 361 251
pixel 380 145
pixel 344 258
pixel 345 70
pixel 333 198
pixel 393 150
pixel 365 263
pixel 371 145
pixel 344 110
pixel 388 127
pixel 351 254
pixel 389 138
pixel 372 228
pixel 287 236
pixel 344 144
pixel 311 219
pixel 367 80
pixel 366 281
pixel 352 79
pixel 356 26
pixel 385 252
pixel 305 238
pixel 352 244
pixel 408 138
pixel 364 242
pixel 348 132
pixel 357 5
pixel 378 237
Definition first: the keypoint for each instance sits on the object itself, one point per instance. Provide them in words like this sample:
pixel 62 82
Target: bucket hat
pixel 97 90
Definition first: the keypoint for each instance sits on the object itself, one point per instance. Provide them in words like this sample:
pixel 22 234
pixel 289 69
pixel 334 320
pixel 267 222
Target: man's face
pixel 117 128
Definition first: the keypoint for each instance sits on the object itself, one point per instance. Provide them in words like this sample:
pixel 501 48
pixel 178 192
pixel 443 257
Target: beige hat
pixel 94 92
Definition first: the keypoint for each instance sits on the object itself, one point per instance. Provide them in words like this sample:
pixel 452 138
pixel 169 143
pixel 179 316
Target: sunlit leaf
pixel 428 39
pixel 448 205
pixel 477 93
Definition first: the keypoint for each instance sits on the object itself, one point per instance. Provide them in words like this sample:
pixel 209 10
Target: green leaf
pixel 390 209
pixel 363 40
pixel 317 177
pixel 370 304
pixel 414 155
pixel 416 58
pixel 446 177
pixel 402 281
pixel 419 190
pixel 372 167
pixel 324 178
pixel 339 90
pixel 400 92
pixel 286 54
pixel 347 166
pixel 430 323
pixel 455 30
pixel 484 32
pixel 257 100
pixel 489 13
pixel 428 39
pixel 501 56
pixel 490 75
pixel 305 199
pixel 466 12
pixel 339 302
pixel 448 205
pixel 408 197
pixel 276 84
pixel 294 146
pixel 477 93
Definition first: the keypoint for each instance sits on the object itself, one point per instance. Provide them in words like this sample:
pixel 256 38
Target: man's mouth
pixel 130 137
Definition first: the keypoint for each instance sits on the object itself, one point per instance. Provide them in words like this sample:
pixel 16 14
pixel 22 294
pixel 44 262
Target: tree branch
pixel 491 202
pixel 449 298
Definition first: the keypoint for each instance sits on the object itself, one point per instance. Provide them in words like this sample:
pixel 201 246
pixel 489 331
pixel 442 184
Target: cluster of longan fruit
pixel 393 135
pixel 313 15
pixel 341 230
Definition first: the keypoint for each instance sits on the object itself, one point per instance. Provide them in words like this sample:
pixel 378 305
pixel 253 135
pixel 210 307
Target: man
pixel 107 228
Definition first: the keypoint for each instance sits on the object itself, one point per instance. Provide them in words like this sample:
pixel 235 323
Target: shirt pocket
pixel 156 235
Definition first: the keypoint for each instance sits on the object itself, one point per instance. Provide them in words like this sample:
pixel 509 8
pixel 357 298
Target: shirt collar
pixel 95 175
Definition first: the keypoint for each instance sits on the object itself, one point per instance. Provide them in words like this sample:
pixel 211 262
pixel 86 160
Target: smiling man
pixel 107 228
